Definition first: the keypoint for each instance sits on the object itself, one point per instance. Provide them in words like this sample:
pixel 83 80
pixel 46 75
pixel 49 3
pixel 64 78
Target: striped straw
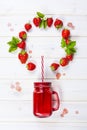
pixel 42 68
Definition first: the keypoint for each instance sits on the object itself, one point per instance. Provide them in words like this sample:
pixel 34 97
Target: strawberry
pixel 28 26
pixel 23 56
pixel 67 41
pixel 21 44
pixel 37 21
pixel 49 22
pixel 54 66
pixel 65 33
pixel 31 66
pixel 23 35
pixel 58 23
pixel 64 61
pixel 69 57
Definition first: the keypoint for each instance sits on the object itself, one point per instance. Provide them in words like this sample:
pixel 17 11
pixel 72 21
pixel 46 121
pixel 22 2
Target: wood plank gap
pixel 51 14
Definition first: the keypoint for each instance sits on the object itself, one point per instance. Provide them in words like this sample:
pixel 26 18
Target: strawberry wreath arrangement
pixel 42 21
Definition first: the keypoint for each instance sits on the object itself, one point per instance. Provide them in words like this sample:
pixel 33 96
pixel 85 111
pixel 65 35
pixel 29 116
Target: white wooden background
pixel 16 107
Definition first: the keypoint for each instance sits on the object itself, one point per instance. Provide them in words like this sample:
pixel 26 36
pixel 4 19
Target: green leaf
pixel 45 24
pixel 73 50
pixel 71 44
pixel 40 14
pixel 12 48
pixel 70 51
pixel 10 43
pixel 15 40
pixel 13 44
pixel 63 43
pixel 41 24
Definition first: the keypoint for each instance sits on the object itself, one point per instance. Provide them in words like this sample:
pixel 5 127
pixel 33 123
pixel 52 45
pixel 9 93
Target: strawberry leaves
pixel 13 44
pixel 43 22
pixel 69 48
pixel 40 15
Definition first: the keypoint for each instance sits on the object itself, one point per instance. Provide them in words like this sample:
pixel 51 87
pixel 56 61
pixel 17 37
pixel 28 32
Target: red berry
pixel 37 21
pixel 65 33
pixel 28 26
pixel 69 57
pixel 67 41
pixel 54 66
pixel 49 22
pixel 64 61
pixel 58 23
pixel 31 66
pixel 21 44
pixel 23 35
pixel 23 56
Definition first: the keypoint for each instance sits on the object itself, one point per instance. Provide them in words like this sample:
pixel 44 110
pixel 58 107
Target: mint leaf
pixel 63 43
pixel 10 43
pixel 70 51
pixel 15 40
pixel 71 44
pixel 41 24
pixel 45 24
pixel 12 48
pixel 40 14
pixel 13 44
pixel 73 50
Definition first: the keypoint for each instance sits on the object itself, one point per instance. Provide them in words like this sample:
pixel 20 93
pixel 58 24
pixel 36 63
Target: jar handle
pixel 57 101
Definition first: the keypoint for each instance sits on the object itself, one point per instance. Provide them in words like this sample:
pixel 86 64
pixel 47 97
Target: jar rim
pixel 39 84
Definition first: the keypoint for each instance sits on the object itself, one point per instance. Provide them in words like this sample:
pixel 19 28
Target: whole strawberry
pixel 23 56
pixel 69 57
pixel 23 35
pixel 31 66
pixel 21 44
pixel 28 26
pixel 49 22
pixel 64 61
pixel 54 66
pixel 58 23
pixel 37 21
pixel 65 33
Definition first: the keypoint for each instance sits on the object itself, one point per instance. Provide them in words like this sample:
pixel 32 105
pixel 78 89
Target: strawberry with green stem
pixel 30 66
pixel 37 21
pixel 70 57
pixel 65 33
pixel 58 23
pixel 54 66
pixel 23 35
pixel 23 56
pixel 21 44
pixel 64 61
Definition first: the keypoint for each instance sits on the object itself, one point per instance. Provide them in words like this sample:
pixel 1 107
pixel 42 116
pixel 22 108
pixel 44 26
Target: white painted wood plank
pixel 56 6
pixel 12 25
pixel 45 46
pixel 68 90
pixel 16 107
pixel 43 126
pixel 22 111
pixel 12 69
